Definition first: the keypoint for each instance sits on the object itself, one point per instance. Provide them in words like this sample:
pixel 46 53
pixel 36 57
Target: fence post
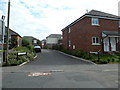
pixel 26 53
pixel 89 55
pixel 98 56
pixel 17 56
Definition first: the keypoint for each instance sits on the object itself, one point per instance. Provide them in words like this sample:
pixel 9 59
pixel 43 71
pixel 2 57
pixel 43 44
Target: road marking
pixel 57 71
pixel 107 70
pixel 39 74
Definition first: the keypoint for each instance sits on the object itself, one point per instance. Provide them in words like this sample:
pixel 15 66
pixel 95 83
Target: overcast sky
pixel 39 18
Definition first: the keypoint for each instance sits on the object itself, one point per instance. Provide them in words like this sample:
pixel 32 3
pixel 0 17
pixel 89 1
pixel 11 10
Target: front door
pixel 113 43
pixel 106 45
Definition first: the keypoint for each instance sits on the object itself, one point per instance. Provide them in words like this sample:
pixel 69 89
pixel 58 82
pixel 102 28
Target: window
pixel 69 43
pixel 73 46
pixel 119 23
pixel 95 21
pixel 69 30
pixel 95 41
pixel 35 41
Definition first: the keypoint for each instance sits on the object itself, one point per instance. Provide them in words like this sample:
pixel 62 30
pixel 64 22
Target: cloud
pixel 39 18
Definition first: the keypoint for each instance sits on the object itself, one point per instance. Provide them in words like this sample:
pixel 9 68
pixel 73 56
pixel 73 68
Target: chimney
pixel 87 10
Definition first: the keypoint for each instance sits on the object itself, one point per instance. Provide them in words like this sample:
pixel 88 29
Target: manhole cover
pixel 39 74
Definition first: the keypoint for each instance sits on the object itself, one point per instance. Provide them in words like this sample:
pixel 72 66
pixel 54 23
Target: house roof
pixel 94 13
pixel 30 37
pixel 43 40
pixel 103 14
pixel 111 33
pixel 11 32
pixel 54 36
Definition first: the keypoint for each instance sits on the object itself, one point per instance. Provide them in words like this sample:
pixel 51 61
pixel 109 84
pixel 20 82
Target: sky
pixel 40 18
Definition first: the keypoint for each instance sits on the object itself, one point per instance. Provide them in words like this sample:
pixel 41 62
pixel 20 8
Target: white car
pixel 37 48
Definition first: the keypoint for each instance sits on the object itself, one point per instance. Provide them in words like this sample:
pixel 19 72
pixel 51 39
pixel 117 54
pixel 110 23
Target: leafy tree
pixel 27 44
pixel 13 43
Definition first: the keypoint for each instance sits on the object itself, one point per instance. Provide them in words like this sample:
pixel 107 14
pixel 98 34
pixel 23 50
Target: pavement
pixel 52 69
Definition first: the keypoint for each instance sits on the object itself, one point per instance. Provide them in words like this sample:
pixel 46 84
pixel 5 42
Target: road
pixel 57 70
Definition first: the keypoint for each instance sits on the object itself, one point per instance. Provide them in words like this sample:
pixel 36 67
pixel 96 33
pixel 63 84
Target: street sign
pixel 0 31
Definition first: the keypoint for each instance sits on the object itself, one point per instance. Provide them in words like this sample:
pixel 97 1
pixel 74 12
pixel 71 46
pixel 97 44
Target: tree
pixel 27 44
pixel 13 43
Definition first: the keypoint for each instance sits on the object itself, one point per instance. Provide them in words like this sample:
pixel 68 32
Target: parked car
pixel 37 48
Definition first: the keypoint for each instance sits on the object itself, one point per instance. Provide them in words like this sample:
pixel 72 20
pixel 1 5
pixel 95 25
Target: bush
pixel 13 43
pixel 26 43
pixel 22 49
pixel 13 62
pixel 103 58
pixel 30 56
pixel 57 47
pixel 44 47
pixel 23 58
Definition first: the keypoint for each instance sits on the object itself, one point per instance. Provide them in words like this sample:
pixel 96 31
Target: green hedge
pixel 104 58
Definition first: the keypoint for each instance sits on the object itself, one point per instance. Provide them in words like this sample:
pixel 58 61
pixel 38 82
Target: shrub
pixel 13 43
pixel 25 42
pixel 13 62
pixel 102 62
pixel 22 49
pixel 20 61
pixel 44 47
pixel 30 56
pixel 23 58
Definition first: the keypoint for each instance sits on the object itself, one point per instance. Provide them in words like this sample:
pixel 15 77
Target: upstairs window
pixel 35 41
pixel 119 23
pixel 95 21
pixel 69 30
pixel 95 41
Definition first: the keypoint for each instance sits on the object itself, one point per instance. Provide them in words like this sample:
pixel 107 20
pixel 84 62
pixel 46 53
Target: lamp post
pixel 7 42
pixel 3 32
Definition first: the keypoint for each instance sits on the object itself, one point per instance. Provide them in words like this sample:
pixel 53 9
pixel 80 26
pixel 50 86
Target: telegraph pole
pixel 7 41
pixel 3 32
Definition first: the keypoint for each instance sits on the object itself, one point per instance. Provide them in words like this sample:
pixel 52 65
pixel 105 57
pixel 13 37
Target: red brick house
pixel 32 40
pixel 92 32
pixel 15 40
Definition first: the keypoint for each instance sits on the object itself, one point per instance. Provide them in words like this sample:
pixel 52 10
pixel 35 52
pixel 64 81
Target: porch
pixel 111 41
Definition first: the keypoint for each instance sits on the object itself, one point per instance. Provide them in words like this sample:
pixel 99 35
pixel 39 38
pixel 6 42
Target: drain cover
pixel 39 74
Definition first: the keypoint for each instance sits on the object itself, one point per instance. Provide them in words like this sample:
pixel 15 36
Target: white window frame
pixel 74 46
pixel 95 43
pixel 95 21
pixel 69 30
pixel 34 41
pixel 69 43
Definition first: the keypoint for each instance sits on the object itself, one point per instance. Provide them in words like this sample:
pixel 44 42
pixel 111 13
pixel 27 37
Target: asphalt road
pixel 52 69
